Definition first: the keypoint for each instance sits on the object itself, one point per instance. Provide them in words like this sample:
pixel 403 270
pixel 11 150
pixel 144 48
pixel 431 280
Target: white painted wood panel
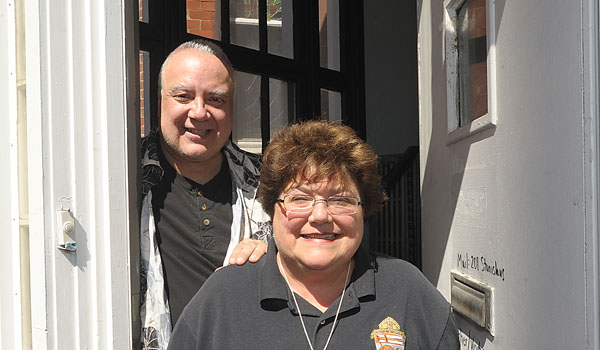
pixel 10 274
pixel 81 116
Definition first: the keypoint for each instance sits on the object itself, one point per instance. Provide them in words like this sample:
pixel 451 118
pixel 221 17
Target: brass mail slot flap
pixel 472 299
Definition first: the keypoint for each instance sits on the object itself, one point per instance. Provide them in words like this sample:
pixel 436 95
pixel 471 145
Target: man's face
pixel 196 108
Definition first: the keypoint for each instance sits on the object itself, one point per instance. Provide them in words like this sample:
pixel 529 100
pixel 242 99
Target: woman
pixel 317 288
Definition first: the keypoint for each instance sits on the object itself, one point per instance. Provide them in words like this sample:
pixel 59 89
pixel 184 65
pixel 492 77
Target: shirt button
pixel 203 207
pixel 199 193
pixel 206 222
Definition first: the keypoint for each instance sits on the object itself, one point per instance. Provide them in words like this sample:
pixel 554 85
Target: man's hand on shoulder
pixel 248 250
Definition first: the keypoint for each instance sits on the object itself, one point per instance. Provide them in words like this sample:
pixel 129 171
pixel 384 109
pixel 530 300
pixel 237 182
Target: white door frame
pixel 591 86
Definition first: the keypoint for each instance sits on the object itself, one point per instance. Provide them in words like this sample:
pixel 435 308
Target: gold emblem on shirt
pixel 389 336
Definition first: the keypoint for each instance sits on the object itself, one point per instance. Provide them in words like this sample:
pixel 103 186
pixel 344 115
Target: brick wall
pixel 201 17
pixel 142 99
pixel 141 60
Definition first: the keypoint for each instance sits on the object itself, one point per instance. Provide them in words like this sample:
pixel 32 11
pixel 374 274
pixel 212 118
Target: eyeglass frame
pixel 314 202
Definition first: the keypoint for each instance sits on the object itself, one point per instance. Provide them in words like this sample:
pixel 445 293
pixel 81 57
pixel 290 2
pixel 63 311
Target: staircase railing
pixel 396 230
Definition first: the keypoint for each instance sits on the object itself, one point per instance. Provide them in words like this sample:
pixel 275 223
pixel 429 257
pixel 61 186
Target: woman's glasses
pixel 336 205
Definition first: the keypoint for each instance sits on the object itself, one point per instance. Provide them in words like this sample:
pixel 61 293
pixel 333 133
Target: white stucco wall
pixel 520 195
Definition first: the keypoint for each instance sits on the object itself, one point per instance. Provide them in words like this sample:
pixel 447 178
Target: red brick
pixel 478 90
pixel 478 20
pixel 141 10
pixel 192 5
pixel 204 33
pixel 201 15
pixel 207 24
pixel 208 5
pixel 477 4
pixel 193 24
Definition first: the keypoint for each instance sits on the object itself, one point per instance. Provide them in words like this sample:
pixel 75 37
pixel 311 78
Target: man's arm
pixel 248 250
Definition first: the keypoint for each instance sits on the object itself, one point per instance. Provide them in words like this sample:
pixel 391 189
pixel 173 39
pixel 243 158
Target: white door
pixel 509 158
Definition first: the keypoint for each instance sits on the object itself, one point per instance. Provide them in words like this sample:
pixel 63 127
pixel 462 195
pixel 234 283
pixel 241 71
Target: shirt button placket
pixel 203 207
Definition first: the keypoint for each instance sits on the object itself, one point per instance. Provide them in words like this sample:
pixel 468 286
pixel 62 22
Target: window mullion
pixel 265 111
pixel 262 25
pixel 225 25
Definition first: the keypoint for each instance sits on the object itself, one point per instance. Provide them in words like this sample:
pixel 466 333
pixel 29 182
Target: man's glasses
pixel 336 205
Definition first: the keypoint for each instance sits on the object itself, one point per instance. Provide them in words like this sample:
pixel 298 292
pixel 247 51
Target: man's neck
pixel 200 172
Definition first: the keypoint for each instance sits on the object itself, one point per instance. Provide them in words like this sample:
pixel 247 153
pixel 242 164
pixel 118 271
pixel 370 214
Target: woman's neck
pixel 320 288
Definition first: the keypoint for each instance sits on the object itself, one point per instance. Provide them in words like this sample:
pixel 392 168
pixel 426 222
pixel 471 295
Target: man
pixel 198 188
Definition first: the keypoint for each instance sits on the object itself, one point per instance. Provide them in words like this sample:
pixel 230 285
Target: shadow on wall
pixel 444 166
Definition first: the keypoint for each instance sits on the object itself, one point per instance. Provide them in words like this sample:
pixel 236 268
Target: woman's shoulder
pixel 387 264
pixel 226 283
pixel 234 275
pixel 403 275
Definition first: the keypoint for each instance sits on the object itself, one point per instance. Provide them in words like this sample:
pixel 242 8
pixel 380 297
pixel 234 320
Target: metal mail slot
pixel 472 299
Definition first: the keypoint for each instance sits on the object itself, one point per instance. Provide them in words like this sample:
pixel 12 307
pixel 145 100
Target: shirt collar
pixel 273 291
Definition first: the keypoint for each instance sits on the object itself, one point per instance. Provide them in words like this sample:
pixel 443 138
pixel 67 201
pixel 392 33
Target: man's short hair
pixel 200 45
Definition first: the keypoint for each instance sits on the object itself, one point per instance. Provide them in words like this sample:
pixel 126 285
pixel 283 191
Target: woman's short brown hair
pixel 319 150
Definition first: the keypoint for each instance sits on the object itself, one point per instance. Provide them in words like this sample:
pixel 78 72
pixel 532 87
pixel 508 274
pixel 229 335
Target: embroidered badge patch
pixel 389 336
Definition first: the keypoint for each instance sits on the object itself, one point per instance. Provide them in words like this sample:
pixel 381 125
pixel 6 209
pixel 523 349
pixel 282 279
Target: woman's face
pixel 318 241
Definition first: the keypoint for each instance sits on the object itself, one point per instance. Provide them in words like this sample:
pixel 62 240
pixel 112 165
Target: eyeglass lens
pixel 335 204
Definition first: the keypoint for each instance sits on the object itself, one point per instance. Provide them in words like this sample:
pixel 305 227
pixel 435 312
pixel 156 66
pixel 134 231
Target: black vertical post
pixel 353 65
pixel 265 110
pixel 306 53
pixel 225 29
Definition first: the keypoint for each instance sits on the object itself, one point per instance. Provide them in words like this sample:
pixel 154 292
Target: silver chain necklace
pixel 298 307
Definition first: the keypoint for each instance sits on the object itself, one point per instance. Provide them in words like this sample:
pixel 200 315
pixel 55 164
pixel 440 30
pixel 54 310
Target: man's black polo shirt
pixel 193 224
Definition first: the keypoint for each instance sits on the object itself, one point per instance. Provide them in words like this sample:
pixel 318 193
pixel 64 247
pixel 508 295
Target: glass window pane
pixel 144 15
pixel 472 60
pixel 243 23
pixel 145 126
pixel 331 105
pixel 329 33
pixel 280 31
pixel 280 105
pixel 246 112
pixel 204 18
